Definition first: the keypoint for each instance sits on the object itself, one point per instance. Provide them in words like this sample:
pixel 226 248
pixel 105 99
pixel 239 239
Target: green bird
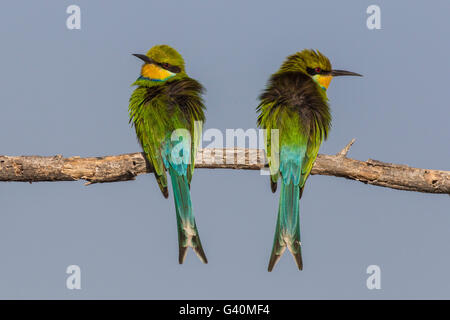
pixel 167 111
pixel 295 113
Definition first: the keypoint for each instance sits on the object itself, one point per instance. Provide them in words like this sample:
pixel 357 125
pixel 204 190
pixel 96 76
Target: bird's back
pixel 158 110
pixel 294 104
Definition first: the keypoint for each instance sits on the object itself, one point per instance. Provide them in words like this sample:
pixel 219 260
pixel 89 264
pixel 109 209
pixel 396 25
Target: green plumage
pixel 167 116
pixel 295 105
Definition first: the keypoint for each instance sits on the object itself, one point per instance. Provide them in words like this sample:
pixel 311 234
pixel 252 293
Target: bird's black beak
pixel 143 57
pixel 337 73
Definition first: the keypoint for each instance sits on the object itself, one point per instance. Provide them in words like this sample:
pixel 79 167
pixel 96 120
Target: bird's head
pixel 314 64
pixel 161 63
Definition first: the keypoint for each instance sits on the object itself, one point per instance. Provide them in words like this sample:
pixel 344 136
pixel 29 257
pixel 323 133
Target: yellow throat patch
pixel 155 72
pixel 323 81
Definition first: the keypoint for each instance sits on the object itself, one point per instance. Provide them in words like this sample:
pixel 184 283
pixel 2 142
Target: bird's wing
pixel 314 142
pixel 186 95
pixel 267 120
pixel 196 135
pixel 149 125
pixel 152 149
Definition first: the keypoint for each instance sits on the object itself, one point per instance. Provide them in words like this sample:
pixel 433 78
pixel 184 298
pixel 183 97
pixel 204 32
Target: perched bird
pixel 167 111
pixel 295 103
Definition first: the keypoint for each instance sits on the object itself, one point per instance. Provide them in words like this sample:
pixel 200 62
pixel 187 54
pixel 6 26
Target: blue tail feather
pixel 287 231
pixel 187 229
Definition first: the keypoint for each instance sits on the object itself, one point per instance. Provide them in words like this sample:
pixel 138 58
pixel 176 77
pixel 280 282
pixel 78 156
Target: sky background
pixel 66 92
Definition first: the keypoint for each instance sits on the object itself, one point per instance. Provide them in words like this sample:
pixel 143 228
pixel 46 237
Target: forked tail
pixel 287 232
pixel 187 230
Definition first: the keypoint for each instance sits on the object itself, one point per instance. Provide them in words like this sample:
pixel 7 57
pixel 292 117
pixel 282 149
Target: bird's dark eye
pixel 314 71
pixel 170 67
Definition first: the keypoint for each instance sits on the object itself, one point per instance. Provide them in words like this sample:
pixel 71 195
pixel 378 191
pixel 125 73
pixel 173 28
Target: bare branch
pixel 343 153
pixel 128 166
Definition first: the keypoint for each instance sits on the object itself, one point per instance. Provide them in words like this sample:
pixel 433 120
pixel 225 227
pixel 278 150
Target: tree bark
pixel 127 166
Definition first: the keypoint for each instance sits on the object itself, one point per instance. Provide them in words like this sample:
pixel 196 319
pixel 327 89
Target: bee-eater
pixel 295 103
pixel 167 111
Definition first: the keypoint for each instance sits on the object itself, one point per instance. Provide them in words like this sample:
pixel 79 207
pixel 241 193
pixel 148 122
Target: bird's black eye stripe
pixel 169 67
pixel 314 71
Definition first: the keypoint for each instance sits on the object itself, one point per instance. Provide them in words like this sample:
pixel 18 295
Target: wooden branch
pixel 128 166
